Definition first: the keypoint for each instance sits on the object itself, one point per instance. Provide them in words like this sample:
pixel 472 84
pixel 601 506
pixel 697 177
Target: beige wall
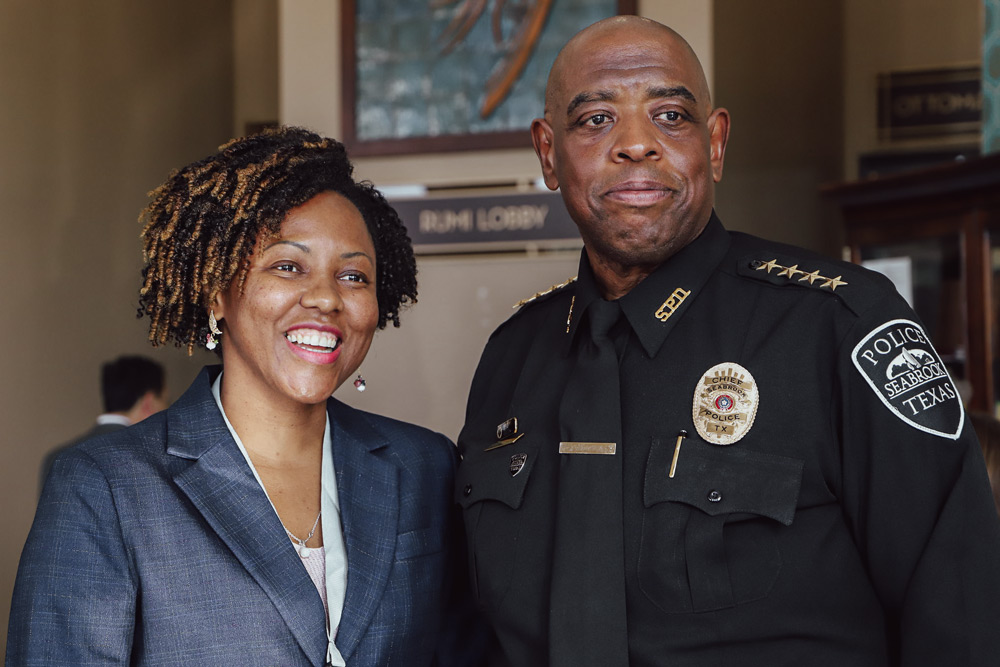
pixel 100 100
pixel 781 87
pixel 890 35
pixel 255 49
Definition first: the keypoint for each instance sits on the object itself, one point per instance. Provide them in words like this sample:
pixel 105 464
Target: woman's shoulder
pixel 403 437
pixel 348 417
pixel 109 463
pixel 116 450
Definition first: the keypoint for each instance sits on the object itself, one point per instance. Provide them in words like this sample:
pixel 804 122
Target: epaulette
pixel 858 288
pixel 538 295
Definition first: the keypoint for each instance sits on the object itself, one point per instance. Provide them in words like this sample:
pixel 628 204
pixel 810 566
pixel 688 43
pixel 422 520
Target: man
pixel 711 449
pixel 132 388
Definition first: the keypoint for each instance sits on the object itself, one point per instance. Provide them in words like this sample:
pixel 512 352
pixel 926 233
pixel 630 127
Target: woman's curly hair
pixel 203 223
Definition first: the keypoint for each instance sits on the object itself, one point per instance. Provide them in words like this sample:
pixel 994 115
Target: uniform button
pixel 468 490
pixel 714 496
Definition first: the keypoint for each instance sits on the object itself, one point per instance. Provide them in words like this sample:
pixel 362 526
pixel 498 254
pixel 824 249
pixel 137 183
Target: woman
pixel 257 521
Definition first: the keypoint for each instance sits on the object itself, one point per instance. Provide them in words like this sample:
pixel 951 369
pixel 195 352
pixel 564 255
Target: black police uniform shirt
pixel 850 524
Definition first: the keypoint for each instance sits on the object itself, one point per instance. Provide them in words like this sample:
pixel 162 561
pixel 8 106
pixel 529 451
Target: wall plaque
pixel 487 223
pixel 929 103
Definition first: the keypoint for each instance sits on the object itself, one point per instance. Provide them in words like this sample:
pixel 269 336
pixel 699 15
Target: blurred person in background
pixel 132 388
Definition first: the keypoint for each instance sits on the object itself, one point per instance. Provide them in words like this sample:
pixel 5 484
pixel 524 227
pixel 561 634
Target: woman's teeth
pixel 310 338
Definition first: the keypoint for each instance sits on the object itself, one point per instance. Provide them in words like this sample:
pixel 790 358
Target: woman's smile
pixel 318 345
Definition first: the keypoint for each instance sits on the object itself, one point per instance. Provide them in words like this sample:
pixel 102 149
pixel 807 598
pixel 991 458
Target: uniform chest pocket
pixel 489 487
pixel 710 533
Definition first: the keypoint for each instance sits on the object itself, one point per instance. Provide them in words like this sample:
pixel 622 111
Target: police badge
pixel 906 373
pixel 725 403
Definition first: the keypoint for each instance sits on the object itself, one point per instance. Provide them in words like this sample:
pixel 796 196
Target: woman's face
pixel 307 311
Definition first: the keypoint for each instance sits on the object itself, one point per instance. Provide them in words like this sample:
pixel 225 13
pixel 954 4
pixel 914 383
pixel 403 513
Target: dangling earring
pixel 360 383
pixel 212 338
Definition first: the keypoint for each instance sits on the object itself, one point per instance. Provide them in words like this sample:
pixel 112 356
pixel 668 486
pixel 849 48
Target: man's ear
pixel 718 137
pixel 542 140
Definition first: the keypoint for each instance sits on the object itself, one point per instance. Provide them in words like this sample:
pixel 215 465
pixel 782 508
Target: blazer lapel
pixel 222 487
pixel 368 488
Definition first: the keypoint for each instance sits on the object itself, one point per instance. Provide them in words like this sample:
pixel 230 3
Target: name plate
pixel 587 447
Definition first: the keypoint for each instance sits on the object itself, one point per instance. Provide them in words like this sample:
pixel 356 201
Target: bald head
pixel 619 40
pixel 631 141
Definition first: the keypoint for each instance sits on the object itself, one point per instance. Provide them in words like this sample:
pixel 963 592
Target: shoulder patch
pixel 907 374
pixel 546 292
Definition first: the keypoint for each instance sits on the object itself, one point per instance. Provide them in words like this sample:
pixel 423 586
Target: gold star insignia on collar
pixel 768 265
pixel 537 295
pixel 811 277
pixel 833 283
pixel 791 271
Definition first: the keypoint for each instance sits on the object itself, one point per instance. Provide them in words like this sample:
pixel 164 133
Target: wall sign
pixel 487 223
pixel 929 103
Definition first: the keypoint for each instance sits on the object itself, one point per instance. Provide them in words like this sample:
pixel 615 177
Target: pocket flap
pixel 495 475
pixel 724 480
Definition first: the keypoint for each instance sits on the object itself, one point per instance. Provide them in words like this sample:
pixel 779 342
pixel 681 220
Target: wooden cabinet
pixel 941 228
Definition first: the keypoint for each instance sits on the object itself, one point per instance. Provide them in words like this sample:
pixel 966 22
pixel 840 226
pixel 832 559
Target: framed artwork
pixel 423 76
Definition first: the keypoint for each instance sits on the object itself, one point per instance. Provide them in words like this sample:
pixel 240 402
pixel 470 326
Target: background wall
pixel 255 63
pixel 786 136
pixel 100 100
pixel 892 35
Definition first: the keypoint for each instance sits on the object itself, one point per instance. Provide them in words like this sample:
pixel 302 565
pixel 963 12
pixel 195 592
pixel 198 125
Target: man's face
pixel 629 138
